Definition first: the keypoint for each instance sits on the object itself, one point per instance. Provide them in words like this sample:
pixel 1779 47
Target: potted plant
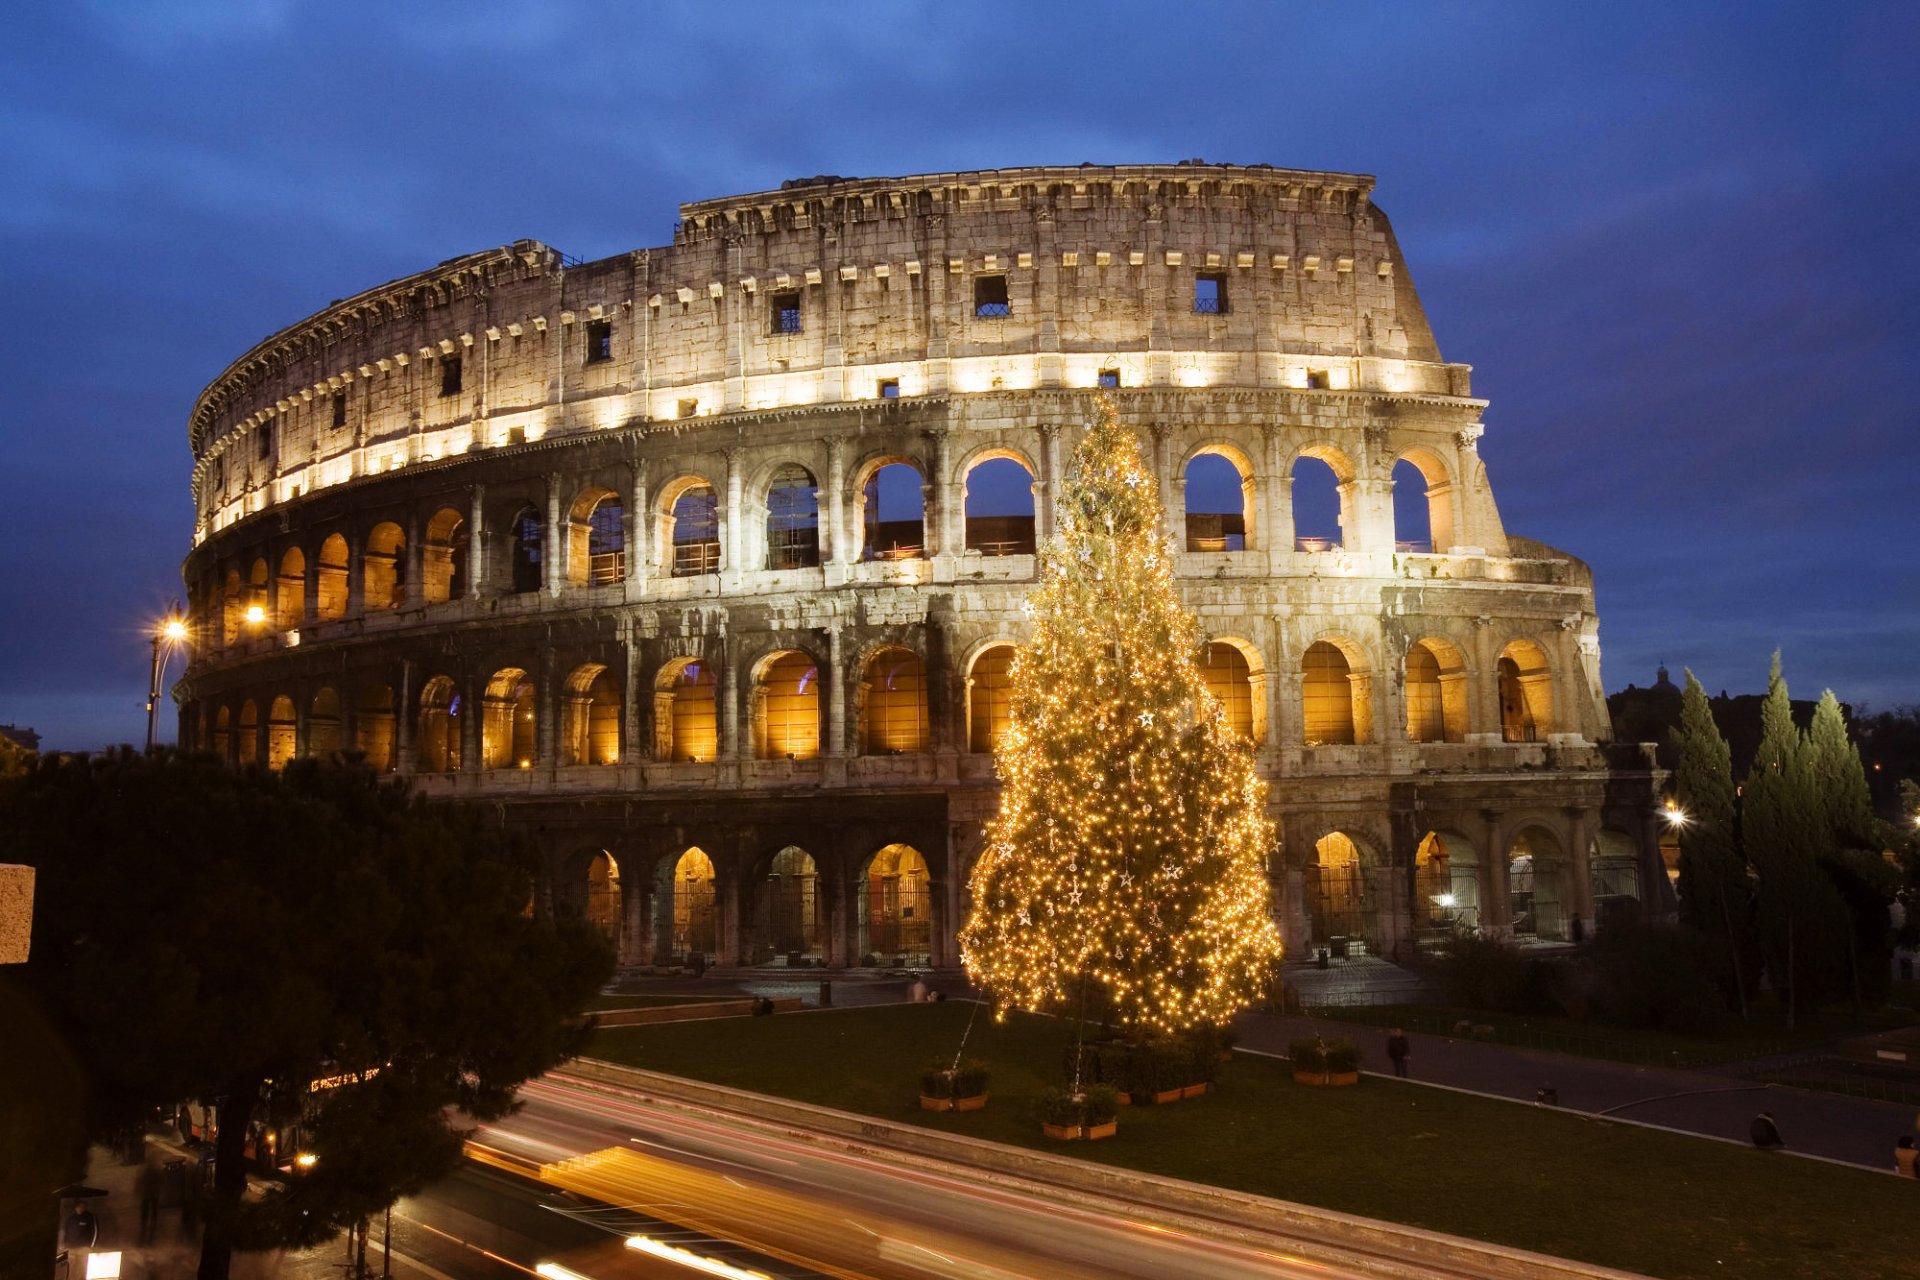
pixel 1101 1109
pixel 1092 1113
pixel 1166 1070
pixel 1202 1062
pixel 1319 1061
pixel 944 1087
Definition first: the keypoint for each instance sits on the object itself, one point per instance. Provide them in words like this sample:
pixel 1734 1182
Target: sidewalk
pixel 1853 1130
pixel 173 1251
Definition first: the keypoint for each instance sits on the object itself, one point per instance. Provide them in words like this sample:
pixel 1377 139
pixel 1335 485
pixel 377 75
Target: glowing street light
pixel 256 614
pixel 1676 816
pixel 169 634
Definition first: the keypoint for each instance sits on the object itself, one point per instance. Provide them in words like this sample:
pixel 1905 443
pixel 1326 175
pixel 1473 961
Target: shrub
pixel 1095 1104
pixel 1166 1064
pixel 1100 1104
pixel 1319 1055
pixel 1202 1055
pixel 1486 973
pixel 942 1080
pixel 1341 1055
pixel 1647 976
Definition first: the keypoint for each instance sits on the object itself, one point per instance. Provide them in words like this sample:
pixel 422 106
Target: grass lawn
pixel 1540 1179
pixel 601 1003
pixel 1763 1034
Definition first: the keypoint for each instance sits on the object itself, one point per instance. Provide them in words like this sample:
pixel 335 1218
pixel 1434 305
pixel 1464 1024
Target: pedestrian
pixel 1547 1096
pixel 1764 1132
pixel 1398 1047
pixel 148 1185
pixel 1904 1156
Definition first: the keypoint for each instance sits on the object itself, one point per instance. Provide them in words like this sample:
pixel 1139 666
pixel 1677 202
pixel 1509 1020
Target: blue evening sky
pixel 1676 241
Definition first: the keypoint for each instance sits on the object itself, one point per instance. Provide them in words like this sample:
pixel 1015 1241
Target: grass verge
pixel 602 1003
pixel 1546 1180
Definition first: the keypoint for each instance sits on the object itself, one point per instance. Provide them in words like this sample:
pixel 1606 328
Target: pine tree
pixel 1851 838
pixel 1803 923
pixel 1716 896
pixel 1126 867
pixel 1840 780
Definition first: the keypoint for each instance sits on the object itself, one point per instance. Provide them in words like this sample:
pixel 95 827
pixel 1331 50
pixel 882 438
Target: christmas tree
pixel 1126 867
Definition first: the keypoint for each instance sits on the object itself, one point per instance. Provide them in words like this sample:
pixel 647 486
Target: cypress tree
pixel 1851 838
pixel 1716 896
pixel 1840 780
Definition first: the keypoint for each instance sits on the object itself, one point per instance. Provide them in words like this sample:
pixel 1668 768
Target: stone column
pixel 634 740
pixel 476 542
pixel 839 545
pixel 1496 899
pixel 1577 896
pixel 944 502
pixel 553 542
pixel 413 565
pixel 403 721
pixel 732 543
pixel 835 689
pixel 1048 484
pixel 636 934
pixel 473 715
pixel 639 530
pixel 550 694
pixel 1277 526
pixel 730 710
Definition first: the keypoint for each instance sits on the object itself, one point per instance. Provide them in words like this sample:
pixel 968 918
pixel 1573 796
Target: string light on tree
pixel 1128 860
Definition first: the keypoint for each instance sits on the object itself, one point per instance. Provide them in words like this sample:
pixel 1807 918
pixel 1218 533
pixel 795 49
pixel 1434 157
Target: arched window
pixel 290 591
pixel 283 732
pixel 597 539
pixel 895 697
pixel 1526 693
pixel 693 902
pixel 1412 526
pixel 439 736
pixel 1334 698
pixel 384 568
pixel 1534 884
pixel 793 520
pixel 1436 689
pixel 1338 889
pixel 259 595
pixel 1615 876
pixel 1000 508
pixel 1319 515
pixel 525 570
pixel 590 717
pixel 893 514
pixel 373 726
pixel 796 918
pixel 1228 678
pixel 323 724
pixel 788 706
pixel 989 697
pixel 694 531
pixel 443 558
pixel 603 895
pixel 1446 884
pixel 897 919
pixel 684 720
pixel 222 744
pixel 1216 504
pixel 508 725
pixel 248 745
pixel 330 586
pixel 233 608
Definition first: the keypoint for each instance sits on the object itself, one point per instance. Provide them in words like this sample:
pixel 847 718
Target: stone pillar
pixel 733 944
pixel 1277 523
pixel 730 711
pixel 635 942
pixel 835 689
pixel 413 565
pixel 476 542
pixel 1048 484
pixel 549 693
pixel 1289 715
pixel 309 589
pixel 634 739
pixel 1172 505
pixel 837 952
pixel 840 545
pixel 1496 899
pixel 473 715
pixel 1577 896
pixel 403 721
pixel 639 530
pixel 1483 703
pixel 945 501
pixel 732 541
pixel 553 541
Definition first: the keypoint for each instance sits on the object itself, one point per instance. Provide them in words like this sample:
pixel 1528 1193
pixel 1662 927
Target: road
pixel 808 1210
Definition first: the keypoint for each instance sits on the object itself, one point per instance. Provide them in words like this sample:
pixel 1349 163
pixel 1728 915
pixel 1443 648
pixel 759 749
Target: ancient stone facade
pixel 686 560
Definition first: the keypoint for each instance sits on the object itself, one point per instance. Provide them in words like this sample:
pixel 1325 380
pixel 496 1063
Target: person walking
pixel 1765 1133
pixel 1904 1156
pixel 1398 1047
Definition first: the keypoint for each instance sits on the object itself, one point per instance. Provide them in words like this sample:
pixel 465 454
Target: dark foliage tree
pixel 233 937
pixel 1716 894
pixel 1851 841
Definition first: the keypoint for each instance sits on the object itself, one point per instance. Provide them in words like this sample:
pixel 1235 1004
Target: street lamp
pixel 169 634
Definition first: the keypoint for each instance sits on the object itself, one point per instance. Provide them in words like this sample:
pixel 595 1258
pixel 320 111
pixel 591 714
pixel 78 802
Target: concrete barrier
pixel 693 1011
pixel 1369 1245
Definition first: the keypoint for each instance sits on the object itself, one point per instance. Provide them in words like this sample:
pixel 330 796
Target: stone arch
pixel 526 556
pixel 1336 693
pixel 233 607
pixel 383 568
pixel 437 743
pixel 998 508
pixel 1435 685
pixel 1223 517
pixel 222 741
pixel 792 911
pixel 1236 675
pixel 1526 692
pixel 590 716
pixel 330 578
pixel 373 726
pixel 1422 520
pixel 1446 884
pixel 893 508
pixel 290 590
pixel 283 732
pixel 1336 885
pixel 1537 890
pixel 247 733
pixel 323 723
pixel 989 694
pixel 600 901
pixel 443 557
pixel 1614 873
pixel 1321 478
pixel 693 905
pixel 793 518
pixel 687 516
pixel 259 593
pixel 786 706
pixel 893 703
pixel 896 905
pixel 686 723
pixel 509 722
pixel 596 538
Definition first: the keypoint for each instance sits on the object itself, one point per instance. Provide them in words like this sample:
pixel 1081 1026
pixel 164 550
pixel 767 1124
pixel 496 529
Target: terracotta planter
pixel 1168 1095
pixel 1095 1132
pixel 1193 1091
pixel 1061 1132
pixel 975 1103
pixel 1330 1078
pixel 1226 1055
pixel 1126 1100
pixel 935 1104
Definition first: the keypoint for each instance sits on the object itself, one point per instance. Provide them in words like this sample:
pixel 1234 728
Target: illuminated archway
pixel 290 591
pixel 685 720
pixel 1218 493
pixel 893 513
pixel 896 917
pixel 443 562
pixel 282 732
pixel 1526 693
pixel 383 568
pixel 694 930
pixel 1336 695
pixel 590 717
pixel 1536 888
pixel 373 726
pixel 786 707
pixel 999 507
pixel 989 697
pixel 439 745
pixel 1337 889
pixel 323 724
pixel 1436 692
pixel 509 728
pixel 330 579
pixel 894 703
pixel 794 911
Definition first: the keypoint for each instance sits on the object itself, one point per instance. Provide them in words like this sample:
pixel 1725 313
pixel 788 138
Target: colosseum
pixel 703 565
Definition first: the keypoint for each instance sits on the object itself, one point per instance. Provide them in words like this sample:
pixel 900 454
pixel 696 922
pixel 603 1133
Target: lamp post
pixel 169 633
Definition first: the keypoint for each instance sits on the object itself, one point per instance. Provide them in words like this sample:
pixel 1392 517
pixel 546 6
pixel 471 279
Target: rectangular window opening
pixel 786 312
pixel 889 388
pixel 1108 379
pixel 689 408
pixel 449 375
pixel 1210 293
pixel 1316 379
pixel 599 341
pixel 990 297
pixel 266 439
pixel 339 408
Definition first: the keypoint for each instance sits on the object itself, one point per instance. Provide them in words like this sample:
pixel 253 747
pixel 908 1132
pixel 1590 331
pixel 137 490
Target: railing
pixel 1006 548
pixel 787 321
pixel 606 567
pixel 1413 547
pixel 1316 544
pixel 691 559
pixel 993 310
pixel 1209 306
